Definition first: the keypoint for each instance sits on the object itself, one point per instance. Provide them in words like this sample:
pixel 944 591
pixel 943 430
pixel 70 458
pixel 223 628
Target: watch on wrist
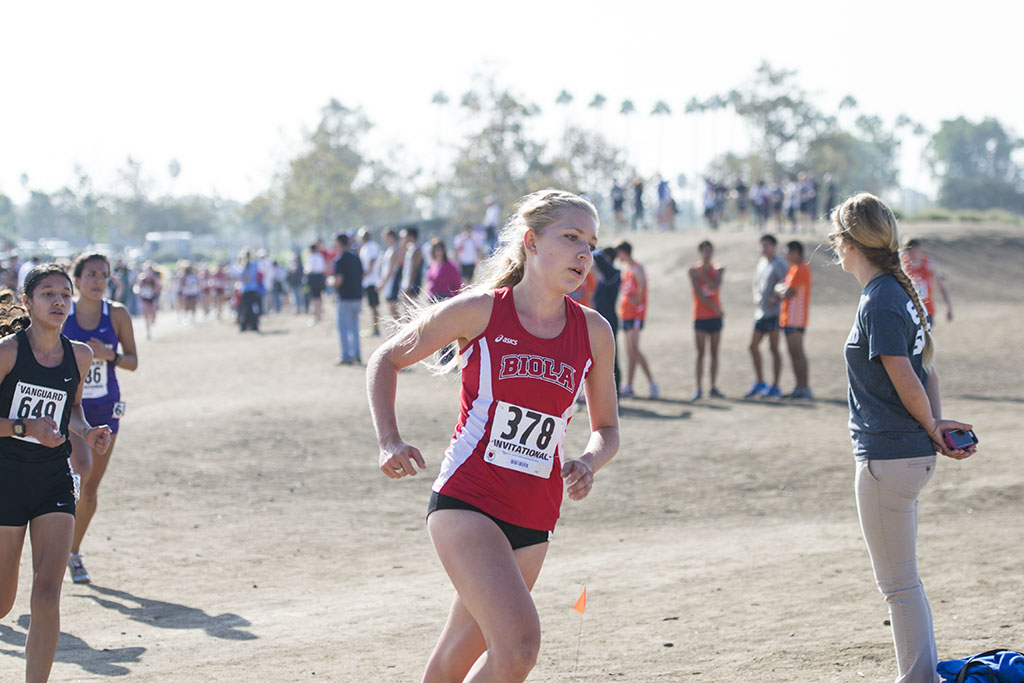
pixel 18 427
pixel 117 357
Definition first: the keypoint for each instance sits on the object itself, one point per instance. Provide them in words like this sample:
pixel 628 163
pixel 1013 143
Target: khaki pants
pixel 887 493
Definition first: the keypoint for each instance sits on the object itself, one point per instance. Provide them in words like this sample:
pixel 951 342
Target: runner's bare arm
pixel 83 358
pixel 641 283
pixel 122 322
pixel 459 319
pixel 602 407
pixel 943 291
pixel 917 402
pixel 98 437
pixel 8 357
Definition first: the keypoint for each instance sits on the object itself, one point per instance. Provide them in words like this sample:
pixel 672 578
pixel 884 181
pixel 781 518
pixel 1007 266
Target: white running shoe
pixel 79 574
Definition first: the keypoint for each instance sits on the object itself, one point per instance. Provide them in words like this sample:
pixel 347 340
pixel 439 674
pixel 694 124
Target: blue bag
pixel 994 666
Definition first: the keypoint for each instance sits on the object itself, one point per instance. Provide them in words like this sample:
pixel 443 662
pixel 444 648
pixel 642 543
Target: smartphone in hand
pixel 959 439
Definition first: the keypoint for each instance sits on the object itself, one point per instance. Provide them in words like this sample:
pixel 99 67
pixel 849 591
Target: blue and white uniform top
pixel 101 382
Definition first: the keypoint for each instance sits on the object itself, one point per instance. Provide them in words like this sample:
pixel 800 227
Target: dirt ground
pixel 245 533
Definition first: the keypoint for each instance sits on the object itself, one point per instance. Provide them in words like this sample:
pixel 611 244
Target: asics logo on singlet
pixel 502 339
pixel 538 367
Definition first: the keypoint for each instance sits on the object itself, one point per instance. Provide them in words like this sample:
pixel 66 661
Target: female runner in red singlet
pixel 527 350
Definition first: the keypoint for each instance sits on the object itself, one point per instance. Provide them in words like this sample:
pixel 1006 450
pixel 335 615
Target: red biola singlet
pixel 518 394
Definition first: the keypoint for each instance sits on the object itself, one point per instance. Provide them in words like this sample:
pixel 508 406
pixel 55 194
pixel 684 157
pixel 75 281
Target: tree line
pixel 333 182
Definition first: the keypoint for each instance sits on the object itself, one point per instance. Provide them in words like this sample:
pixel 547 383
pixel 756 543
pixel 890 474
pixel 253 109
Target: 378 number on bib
pixel 524 440
pixel 532 418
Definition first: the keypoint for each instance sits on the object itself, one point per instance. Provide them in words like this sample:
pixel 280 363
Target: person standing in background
pixel 369 257
pixel 467 251
pixel 706 283
pixel 632 313
pixel 492 221
pixel 443 278
pixel 316 280
pixel 619 205
pixel 251 305
pixel 348 283
pixel 771 269
pixel 926 277
pixel 795 292
pixel 391 271
pixel 412 264
pixel 606 294
pixel 638 204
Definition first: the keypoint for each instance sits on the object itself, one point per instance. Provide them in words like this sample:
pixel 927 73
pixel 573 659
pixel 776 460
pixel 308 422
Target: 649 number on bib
pixel 33 401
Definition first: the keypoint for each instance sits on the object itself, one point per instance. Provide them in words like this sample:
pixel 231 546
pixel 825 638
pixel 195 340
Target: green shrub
pixel 933 215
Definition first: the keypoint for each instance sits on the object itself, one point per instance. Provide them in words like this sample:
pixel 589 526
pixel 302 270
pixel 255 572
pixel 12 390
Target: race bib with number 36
pixel 33 401
pixel 524 440
pixel 96 381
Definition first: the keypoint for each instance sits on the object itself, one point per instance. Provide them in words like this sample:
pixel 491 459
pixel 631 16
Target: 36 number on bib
pixel 96 380
pixel 524 440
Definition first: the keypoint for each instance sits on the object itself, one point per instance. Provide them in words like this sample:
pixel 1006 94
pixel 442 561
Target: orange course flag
pixel 581 604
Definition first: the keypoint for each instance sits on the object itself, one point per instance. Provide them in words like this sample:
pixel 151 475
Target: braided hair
pixel 865 220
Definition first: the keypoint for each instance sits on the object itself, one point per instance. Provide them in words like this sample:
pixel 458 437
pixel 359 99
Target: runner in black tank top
pixel 41 375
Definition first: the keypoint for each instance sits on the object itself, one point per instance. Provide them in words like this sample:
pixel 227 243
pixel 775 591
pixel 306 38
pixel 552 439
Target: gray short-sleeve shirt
pixel 887 324
pixel 766 276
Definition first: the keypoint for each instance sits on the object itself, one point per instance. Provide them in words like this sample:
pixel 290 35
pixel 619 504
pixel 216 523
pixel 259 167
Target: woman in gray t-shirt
pixel 895 420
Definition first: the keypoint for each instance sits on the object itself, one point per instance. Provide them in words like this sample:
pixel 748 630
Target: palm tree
pixel 471 101
pixel 439 100
pixel 661 110
pixel 173 170
pixel 626 110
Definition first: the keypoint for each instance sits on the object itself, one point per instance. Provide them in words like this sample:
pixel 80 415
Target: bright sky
pixel 227 88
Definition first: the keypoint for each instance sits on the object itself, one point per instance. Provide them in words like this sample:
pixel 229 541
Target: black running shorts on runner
pixel 709 325
pixel 31 489
pixel 518 536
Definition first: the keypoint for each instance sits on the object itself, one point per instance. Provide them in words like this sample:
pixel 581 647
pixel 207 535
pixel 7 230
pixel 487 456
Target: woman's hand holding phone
pixel 938 436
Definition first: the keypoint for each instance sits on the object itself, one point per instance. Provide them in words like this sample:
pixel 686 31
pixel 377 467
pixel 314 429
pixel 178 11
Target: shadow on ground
pixel 73 650
pixel 170 615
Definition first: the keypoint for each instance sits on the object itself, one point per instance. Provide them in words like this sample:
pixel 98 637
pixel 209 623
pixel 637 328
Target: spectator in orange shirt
pixel 925 276
pixel 584 294
pixel 706 281
pixel 795 292
pixel 632 312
